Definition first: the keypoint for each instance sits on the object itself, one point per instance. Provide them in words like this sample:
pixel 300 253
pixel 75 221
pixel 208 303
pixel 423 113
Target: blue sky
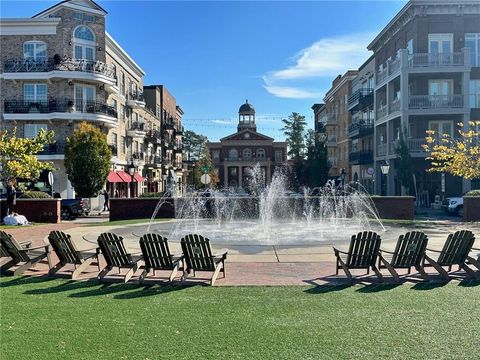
pixel 281 56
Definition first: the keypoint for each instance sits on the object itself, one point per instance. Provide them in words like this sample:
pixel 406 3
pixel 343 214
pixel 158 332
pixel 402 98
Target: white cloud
pixel 326 58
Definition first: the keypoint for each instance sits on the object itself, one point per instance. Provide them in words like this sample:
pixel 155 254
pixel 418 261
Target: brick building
pixel 235 155
pixel 62 67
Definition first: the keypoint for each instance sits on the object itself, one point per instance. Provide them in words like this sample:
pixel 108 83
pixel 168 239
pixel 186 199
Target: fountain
pixel 269 217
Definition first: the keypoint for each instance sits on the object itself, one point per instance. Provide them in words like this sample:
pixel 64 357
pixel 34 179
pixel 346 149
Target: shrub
pixel 35 195
pixel 152 194
pixel 473 193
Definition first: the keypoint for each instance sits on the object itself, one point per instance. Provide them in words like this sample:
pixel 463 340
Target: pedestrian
pixel 116 193
pixel 106 207
pixel 11 196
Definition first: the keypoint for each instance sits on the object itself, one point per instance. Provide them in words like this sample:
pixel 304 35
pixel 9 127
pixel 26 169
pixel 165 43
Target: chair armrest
pixel 25 244
pixel 221 253
pixel 437 251
pixel 477 249
pixel 46 247
pixel 389 252
pixel 339 251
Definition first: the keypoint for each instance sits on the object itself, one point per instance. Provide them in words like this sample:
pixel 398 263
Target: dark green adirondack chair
pixel 67 253
pixel 362 254
pixel 5 259
pixel 156 255
pixel 199 257
pixel 409 252
pixel 455 252
pixel 114 253
pixel 29 256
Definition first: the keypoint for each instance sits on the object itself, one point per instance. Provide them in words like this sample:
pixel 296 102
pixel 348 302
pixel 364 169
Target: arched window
pixel 233 154
pixel 84 43
pixel 35 51
pixel 247 154
pixel 260 154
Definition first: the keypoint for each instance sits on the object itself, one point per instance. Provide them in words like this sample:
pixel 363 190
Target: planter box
pixel 36 210
pixel 471 208
pixel 395 207
pixel 140 208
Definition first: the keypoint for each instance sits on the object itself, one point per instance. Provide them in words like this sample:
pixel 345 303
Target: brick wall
pixel 395 207
pixel 36 210
pixel 471 208
pixel 139 208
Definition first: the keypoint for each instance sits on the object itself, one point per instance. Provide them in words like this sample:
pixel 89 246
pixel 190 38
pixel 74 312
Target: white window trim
pixel 440 37
pixel 35 92
pixel 34 42
pixel 450 85
pixel 441 122
pixel 83 86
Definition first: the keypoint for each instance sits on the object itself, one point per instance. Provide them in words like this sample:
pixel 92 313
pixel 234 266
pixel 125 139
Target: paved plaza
pixel 266 264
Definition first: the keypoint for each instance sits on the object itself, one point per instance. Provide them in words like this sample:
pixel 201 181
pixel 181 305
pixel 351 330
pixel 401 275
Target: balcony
pixel 381 76
pixel 170 124
pixel 254 159
pixel 137 130
pixel 382 111
pixel 422 60
pixel 138 156
pixel 66 68
pixel 361 157
pixel 153 161
pixel 381 149
pixel 61 109
pixel 394 106
pixel 179 130
pixel 329 119
pixel 332 140
pixel 135 100
pixel 414 145
pixel 154 136
pixel 360 129
pixel 435 101
pixel 360 98
pixel 53 151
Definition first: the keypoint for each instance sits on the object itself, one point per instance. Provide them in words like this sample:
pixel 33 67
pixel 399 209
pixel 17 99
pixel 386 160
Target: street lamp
pixel 131 171
pixel 193 174
pixel 385 168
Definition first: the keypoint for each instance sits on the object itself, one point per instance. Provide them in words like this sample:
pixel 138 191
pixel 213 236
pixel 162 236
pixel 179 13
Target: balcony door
pixel 441 128
pixel 440 92
pixel 84 43
pixel 84 98
pixel 440 48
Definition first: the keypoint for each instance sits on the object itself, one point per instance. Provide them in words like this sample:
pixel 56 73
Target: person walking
pixel 11 196
pixel 106 196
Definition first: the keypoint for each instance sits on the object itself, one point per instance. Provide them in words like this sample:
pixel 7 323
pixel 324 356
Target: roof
pixel 78 4
pixel 246 108
pixel 256 134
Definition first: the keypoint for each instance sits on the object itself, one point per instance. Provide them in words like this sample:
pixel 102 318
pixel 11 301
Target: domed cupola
pixel 246 117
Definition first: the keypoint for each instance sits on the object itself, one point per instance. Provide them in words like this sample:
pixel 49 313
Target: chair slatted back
pixel 363 250
pixel 156 252
pixel 197 252
pixel 64 248
pixel 3 251
pixel 456 248
pixel 13 248
pixel 113 250
pixel 410 249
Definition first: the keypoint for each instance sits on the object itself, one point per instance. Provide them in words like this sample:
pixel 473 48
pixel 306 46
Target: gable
pixel 81 5
pixel 251 135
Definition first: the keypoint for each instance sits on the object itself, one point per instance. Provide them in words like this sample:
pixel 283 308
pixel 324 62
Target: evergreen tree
pixel 294 130
pixel 316 165
pixel 193 145
pixel 87 159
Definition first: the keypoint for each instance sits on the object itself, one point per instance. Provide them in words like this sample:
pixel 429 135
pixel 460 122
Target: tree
pixel 18 155
pixel 294 130
pixel 404 164
pixel 87 159
pixel 459 156
pixel 204 165
pixel 316 166
pixel 193 145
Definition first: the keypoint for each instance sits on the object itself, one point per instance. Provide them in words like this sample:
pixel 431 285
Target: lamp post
pixel 343 175
pixel 385 168
pixel 193 174
pixel 131 171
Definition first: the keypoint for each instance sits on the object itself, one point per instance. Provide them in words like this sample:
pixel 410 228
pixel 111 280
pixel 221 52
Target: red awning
pixel 137 177
pixel 113 177
pixel 124 176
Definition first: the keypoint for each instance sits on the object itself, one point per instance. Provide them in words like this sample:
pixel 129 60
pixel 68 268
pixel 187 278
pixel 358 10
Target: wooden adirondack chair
pixel 362 254
pixel 29 256
pixel 455 252
pixel 5 256
pixel 68 254
pixel 409 252
pixel 157 256
pixel 113 250
pixel 199 257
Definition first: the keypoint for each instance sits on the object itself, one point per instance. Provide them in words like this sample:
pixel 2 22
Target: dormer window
pixel 84 43
pixel 35 51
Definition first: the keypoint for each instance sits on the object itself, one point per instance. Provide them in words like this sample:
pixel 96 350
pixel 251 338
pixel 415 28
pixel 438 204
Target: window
pixel 31 130
pixel 233 154
pixel 35 51
pixel 440 48
pixel 472 43
pixel 84 43
pixel 474 94
pixel 114 139
pixel 83 17
pixel 35 92
pixel 410 46
pixel 122 83
pixel 260 154
pixel 216 155
pixel 123 143
pixel 247 154
pixel 440 87
pixel 278 155
pixel 441 127
pixel 114 104
pixel 84 98
pixel 122 111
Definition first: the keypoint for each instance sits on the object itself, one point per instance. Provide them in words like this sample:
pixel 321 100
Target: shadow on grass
pixel 327 288
pixel 104 289
pixel 429 286
pixel 374 288
pixel 469 283
pixel 23 280
pixel 151 290
pixel 66 286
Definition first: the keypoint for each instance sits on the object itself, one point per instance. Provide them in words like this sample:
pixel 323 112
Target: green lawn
pixel 60 319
